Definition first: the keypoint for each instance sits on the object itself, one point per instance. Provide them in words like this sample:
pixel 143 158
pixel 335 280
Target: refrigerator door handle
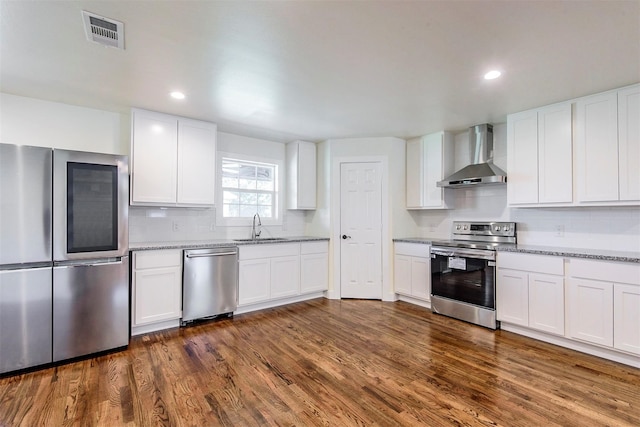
pixel 92 263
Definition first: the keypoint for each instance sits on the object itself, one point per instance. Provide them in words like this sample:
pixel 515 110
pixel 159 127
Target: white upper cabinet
pixel 196 162
pixel 429 160
pixel 629 142
pixel 608 147
pixel 597 147
pixel 154 145
pixel 172 160
pixel 539 156
pixel 301 175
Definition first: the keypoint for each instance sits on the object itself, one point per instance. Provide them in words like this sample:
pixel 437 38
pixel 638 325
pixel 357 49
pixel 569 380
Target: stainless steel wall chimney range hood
pixel 481 171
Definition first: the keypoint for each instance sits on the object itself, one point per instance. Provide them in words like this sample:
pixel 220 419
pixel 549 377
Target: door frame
pixel 335 291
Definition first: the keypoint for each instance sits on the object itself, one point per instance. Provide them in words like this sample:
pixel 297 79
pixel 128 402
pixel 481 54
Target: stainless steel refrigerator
pixel 26 300
pixel 64 265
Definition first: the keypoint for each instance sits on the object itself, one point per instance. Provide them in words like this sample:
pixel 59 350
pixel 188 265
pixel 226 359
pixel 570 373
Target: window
pixel 249 188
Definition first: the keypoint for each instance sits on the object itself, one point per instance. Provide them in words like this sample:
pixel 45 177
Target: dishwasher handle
pixel 208 255
pixel 211 252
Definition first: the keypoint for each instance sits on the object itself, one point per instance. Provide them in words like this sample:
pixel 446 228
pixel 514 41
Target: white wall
pixel 29 121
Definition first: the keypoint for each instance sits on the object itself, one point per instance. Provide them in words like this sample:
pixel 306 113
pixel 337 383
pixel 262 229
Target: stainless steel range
pixel 463 271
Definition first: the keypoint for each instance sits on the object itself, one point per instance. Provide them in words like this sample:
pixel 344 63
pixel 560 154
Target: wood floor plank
pixel 327 363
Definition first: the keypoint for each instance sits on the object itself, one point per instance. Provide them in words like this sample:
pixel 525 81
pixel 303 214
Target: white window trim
pixel 246 222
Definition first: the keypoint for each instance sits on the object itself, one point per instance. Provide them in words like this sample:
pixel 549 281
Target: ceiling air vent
pixel 104 31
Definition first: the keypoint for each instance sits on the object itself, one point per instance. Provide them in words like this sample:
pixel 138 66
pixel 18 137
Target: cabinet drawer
pixel 412 249
pixel 534 263
pixel 608 271
pixel 314 248
pixel 268 251
pixel 157 259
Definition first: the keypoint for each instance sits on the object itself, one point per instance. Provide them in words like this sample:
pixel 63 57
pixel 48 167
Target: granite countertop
pixel 201 244
pixel 597 254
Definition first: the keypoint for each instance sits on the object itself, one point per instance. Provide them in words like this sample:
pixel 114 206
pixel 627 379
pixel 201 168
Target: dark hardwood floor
pixel 330 363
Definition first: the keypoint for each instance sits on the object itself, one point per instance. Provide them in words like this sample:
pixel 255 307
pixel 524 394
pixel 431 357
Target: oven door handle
pixel 463 253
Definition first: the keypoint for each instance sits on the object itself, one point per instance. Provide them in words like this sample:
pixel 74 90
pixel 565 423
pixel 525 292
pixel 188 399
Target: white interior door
pixel 361 230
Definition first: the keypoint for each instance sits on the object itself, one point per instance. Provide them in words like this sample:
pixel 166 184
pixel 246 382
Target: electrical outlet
pixel 559 230
pixel 175 226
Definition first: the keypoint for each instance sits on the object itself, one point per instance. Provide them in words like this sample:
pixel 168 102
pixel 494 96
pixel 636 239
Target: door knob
pixel 345 237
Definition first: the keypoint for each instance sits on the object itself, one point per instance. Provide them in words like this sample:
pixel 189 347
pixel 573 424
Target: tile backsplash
pixel 609 228
pixel 151 224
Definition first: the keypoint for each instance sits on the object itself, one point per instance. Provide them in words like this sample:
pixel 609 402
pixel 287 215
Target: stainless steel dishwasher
pixel 210 283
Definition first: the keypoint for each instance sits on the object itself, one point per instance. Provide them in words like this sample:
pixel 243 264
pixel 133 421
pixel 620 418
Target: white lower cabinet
pixel 626 317
pixel 279 271
pixel 285 276
pixel 156 287
pixel 254 280
pixel 314 267
pixel 591 311
pixel 530 291
pixel 412 270
pixel 604 304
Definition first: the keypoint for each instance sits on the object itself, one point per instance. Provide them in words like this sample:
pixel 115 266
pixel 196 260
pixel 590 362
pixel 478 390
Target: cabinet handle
pixel 345 237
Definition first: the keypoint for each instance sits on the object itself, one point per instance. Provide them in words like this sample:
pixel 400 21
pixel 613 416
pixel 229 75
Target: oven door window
pixel 469 280
pixel 92 207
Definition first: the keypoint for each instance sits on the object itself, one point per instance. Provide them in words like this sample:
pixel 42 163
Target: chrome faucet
pixel 255 235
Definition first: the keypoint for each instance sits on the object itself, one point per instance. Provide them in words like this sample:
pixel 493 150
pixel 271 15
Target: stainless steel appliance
pixel 64 274
pixel 25 257
pixel 90 253
pixel 481 171
pixel 210 283
pixel 463 276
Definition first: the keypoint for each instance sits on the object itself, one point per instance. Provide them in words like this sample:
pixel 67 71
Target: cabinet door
pixel 590 311
pixel 421 278
pixel 626 303
pixel 301 175
pixel 402 274
pixel 522 157
pixel 196 162
pixel 307 175
pixel 546 303
pixel 413 174
pixel 153 158
pixel 433 157
pixel 597 148
pixel 285 276
pixel 254 281
pixel 512 297
pixel 629 142
pixel 555 173
pixel 157 295
pixel 314 272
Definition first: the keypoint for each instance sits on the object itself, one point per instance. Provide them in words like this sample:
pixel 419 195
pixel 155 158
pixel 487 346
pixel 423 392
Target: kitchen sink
pixel 261 239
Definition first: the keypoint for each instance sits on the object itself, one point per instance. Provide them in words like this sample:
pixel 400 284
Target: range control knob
pixel 506 228
pixel 466 227
pixel 458 227
pixel 497 228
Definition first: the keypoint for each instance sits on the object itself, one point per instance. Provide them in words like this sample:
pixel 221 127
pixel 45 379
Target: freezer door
pixel 90 308
pixel 25 318
pixel 25 204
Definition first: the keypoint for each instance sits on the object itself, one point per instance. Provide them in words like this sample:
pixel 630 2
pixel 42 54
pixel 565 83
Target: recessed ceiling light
pixel 494 74
pixel 177 95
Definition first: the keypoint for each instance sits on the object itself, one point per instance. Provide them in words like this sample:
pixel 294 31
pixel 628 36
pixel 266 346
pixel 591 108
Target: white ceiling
pixel 284 70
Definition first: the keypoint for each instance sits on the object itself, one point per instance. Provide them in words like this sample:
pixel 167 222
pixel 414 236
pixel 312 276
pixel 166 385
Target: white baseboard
pixel 605 353
pixel 278 302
